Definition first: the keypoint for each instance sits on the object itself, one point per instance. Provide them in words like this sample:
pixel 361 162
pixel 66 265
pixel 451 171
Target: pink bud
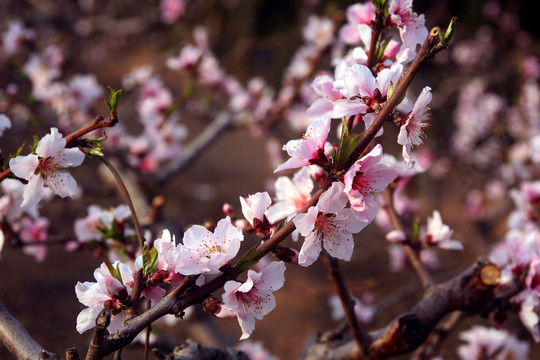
pixel 228 209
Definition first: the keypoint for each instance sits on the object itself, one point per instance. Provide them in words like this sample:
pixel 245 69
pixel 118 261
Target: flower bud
pixel 228 209
pixel 287 254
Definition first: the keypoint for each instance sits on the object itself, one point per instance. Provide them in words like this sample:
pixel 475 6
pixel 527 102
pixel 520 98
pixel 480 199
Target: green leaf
pixel 415 229
pixel 34 145
pixel 379 4
pixel 115 273
pixel 149 258
pixel 112 103
pixel 450 30
pixel 17 153
pixel 280 225
pixel 346 145
pixel 95 146
pixel 381 48
pixel 247 260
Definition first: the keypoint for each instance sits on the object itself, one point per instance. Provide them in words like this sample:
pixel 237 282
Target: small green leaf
pixel 381 48
pixel 280 225
pixel 112 103
pixel 450 30
pixel 247 260
pixel 17 153
pixel 391 89
pixel 415 229
pixel 34 145
pixel 149 258
pixel 115 273
pixel 379 4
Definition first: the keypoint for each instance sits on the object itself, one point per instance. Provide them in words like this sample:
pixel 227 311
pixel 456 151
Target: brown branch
pixel 197 146
pixel 417 265
pixel 426 52
pixel 72 354
pixel 335 275
pixel 431 348
pixel 177 301
pixel 102 322
pixel 99 122
pixel 17 340
pixel 127 198
pixel 470 292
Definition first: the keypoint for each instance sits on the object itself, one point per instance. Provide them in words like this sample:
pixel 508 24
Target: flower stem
pixel 417 265
pixel 336 276
pixel 127 198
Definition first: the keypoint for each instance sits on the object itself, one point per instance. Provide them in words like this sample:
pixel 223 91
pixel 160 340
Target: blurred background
pixel 249 38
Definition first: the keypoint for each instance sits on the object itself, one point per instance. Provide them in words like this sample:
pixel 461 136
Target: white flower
pixel 328 224
pixel 205 252
pixel 291 196
pixel 43 168
pixel 489 343
pixel 253 299
pixel 107 291
pixel 439 234
pixel 254 206
pixel 5 123
pixel 412 125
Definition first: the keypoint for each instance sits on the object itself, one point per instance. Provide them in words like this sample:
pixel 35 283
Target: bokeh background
pixel 250 38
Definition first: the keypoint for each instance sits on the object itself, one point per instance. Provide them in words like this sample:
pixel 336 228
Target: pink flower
pixel 254 206
pixel 35 231
pixel 330 225
pixel 5 123
pixel 255 350
pixel 171 10
pixel 412 125
pixel 205 252
pixel 88 228
pixel 439 234
pixel 411 25
pixel 291 195
pixel 356 14
pixel 364 92
pixel 253 299
pixel 310 148
pixel 188 57
pixel 43 168
pixel 107 291
pixel 323 85
pixel 367 176
pixel 319 31
pixel 489 343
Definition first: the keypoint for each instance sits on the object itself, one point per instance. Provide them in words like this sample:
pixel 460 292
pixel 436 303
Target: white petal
pixel 24 166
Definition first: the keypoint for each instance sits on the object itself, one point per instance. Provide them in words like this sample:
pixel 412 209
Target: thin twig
pixel 127 198
pixel 334 273
pixel 147 337
pixel 417 265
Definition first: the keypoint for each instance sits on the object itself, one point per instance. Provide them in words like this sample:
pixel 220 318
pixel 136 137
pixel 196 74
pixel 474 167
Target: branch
pixel 197 146
pixel 334 273
pixel 176 301
pixel 127 198
pixel 470 292
pixel 427 51
pixel 417 265
pixel 17 340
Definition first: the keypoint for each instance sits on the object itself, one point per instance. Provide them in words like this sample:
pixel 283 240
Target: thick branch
pixel 470 292
pixel 15 337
